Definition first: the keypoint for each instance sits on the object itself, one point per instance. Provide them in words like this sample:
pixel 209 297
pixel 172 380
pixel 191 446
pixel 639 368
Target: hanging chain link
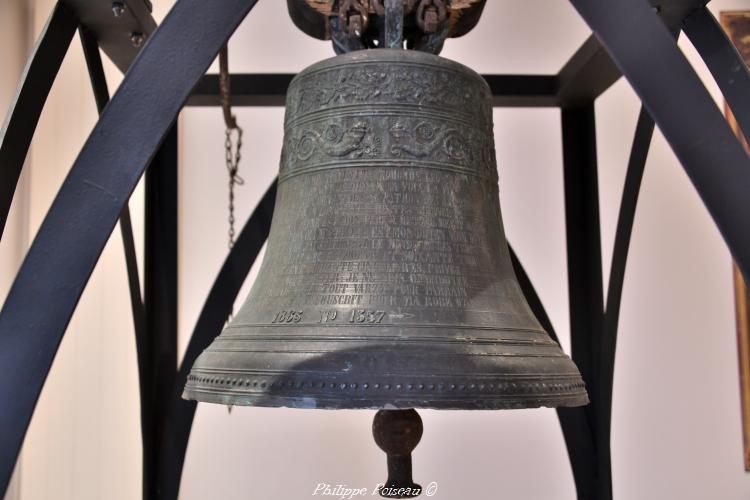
pixel 232 157
pixel 353 15
pixel 431 14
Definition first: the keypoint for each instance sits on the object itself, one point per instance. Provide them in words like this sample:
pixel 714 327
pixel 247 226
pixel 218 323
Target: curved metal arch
pixel 532 297
pixel 216 309
pixel 723 61
pixel 608 308
pixel 101 96
pixel 642 47
pixel 573 421
pixel 213 315
pixel 83 214
pixel 22 118
pixel 608 343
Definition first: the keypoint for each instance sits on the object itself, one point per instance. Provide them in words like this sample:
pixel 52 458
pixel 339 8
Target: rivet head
pixel 137 39
pixel 118 9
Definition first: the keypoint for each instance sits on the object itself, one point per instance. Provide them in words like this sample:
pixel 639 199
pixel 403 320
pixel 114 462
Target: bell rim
pixel 337 391
pixel 571 400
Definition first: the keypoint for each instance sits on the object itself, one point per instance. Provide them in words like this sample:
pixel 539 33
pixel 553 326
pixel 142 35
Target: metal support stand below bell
pixel 397 433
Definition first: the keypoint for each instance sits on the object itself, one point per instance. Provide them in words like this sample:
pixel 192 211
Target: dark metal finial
pixel 397 433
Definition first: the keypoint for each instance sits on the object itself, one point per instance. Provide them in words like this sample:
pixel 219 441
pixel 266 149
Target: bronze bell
pixel 387 282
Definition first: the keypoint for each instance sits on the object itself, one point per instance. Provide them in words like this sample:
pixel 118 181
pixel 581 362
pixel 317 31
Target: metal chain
pixel 353 16
pixel 431 14
pixel 233 163
pixel 231 157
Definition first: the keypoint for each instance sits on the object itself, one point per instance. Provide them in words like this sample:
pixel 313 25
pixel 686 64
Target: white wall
pixel 676 423
pixel 15 35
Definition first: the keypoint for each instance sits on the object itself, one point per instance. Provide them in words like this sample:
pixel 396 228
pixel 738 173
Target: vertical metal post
pixel 394 24
pixel 608 334
pixel 585 287
pixel 160 294
pixel 101 95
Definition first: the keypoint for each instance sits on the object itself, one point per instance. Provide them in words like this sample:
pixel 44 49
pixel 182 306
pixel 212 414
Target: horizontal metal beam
pixel 586 75
pixel 270 90
pixel 512 91
pixel 247 90
pixel 117 35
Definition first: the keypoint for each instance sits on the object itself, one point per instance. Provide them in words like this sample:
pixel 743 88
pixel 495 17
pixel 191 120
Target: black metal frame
pixel 38 76
pixel 632 37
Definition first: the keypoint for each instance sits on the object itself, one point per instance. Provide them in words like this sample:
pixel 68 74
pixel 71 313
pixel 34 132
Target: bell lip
pixel 332 403
pixel 560 390
pixel 556 382
pixel 389 55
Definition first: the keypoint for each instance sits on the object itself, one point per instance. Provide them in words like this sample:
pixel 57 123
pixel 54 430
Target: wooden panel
pixel 737 25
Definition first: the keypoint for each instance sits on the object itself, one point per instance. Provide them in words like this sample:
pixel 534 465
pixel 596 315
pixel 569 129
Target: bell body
pixel 387 281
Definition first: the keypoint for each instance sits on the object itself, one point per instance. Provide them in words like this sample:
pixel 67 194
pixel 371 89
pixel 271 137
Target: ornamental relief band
pixel 331 120
pixel 397 140
pixel 377 84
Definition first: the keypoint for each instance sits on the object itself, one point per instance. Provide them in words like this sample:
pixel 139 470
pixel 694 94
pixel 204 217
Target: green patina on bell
pixel 387 281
